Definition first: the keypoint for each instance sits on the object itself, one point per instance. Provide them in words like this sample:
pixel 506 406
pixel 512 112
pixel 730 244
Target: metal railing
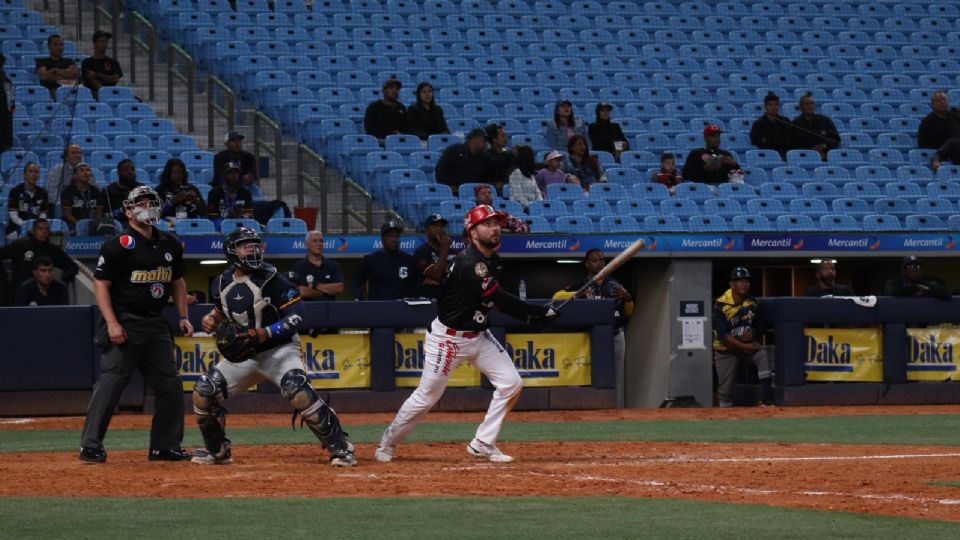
pixel 305 158
pixel 175 57
pixel 271 146
pixel 366 217
pixel 138 27
pixel 111 13
pixel 216 88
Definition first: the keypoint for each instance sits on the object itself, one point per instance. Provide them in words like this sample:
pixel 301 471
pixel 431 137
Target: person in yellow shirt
pixel 737 327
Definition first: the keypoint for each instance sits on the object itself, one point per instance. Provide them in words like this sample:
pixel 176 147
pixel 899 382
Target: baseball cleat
pixel 93 455
pixel 344 458
pixel 384 453
pixel 205 457
pixel 490 452
pixel 169 455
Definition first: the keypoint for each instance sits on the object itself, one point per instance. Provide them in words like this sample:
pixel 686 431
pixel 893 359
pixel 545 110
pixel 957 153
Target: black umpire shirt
pixel 141 271
pixel 389 276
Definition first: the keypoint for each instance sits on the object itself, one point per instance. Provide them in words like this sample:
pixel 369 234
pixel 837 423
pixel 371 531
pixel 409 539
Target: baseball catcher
pixel 255 320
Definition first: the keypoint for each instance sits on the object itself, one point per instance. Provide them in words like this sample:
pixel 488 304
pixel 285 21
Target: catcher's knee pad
pixel 295 386
pixel 208 395
pixel 316 414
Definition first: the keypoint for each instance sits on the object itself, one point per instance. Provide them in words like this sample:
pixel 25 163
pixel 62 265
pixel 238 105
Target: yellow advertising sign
pixel 408 364
pixel 844 354
pixel 551 359
pixel 337 360
pixel 930 354
pixel 194 356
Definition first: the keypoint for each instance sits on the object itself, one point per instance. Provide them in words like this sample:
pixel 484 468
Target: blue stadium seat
pixel 194 227
pixel 619 224
pixel 663 224
pixel 694 191
pixel 538 224
pixel 683 208
pixel 573 224
pixel 909 191
pixel 944 189
pixel 779 191
pixel 564 192
pixel 230 224
pixel 592 208
pixel 839 222
pixel 547 209
pixel 707 223
pixel 808 206
pixel 881 223
pixel 724 207
pixel 953 223
pixel 607 191
pixel 901 208
pixel 292 226
pixel 924 223
pixel 638 208
pixel 752 223
pixel 794 222
pixel 933 206
pixel 765 206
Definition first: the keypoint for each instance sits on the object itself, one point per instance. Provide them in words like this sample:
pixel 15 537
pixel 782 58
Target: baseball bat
pixel 617 262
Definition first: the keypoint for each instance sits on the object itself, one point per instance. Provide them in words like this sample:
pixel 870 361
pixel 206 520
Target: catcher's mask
pixel 241 236
pixel 148 214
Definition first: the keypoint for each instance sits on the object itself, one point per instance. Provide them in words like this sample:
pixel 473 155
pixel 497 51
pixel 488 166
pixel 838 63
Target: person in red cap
pixel 483 194
pixel 710 165
pixel 459 333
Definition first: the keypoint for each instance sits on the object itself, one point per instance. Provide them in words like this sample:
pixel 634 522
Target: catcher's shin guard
pixel 208 396
pixel 317 415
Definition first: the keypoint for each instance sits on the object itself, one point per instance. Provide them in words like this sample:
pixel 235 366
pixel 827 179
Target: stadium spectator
pixel 912 283
pixel 42 289
pixel 502 157
pixel 552 172
pixel 582 164
pixel 8 106
pixel 388 273
pixel 483 194
pixel 81 199
pixel 234 152
pixel 55 70
pixel 772 131
pixel 737 327
pixel 950 151
pixel 61 174
pixel 826 284
pixel 100 70
pixel 230 199
pixel 668 174
pixel 606 135
pixel 940 125
pixel 386 116
pixel 36 243
pixel 523 185
pixel 464 162
pixel 564 126
pixel 27 200
pixel 814 131
pixel 180 198
pixel 711 164
pixel 114 194
pixel 425 117
pixel 433 257
pixel 318 277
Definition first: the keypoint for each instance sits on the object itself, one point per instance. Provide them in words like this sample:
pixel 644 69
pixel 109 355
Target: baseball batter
pixel 460 333
pixel 258 312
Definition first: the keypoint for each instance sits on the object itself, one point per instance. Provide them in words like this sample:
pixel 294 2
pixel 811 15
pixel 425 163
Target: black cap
pixel 393 82
pixel 232 135
pixel 476 132
pixel 908 260
pixel 434 218
pixel 230 166
pixel 604 105
pixel 391 225
pixel 739 273
pixel 102 33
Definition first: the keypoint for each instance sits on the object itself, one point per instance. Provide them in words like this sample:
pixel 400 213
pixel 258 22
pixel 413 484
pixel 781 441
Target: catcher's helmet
pixel 479 214
pixel 150 214
pixel 739 273
pixel 238 237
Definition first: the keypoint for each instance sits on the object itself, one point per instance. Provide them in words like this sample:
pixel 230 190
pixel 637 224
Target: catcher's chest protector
pixel 243 302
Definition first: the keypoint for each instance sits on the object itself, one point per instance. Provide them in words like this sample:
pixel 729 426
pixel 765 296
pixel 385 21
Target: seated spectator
pixel 7 107
pixel 668 174
pixel 912 283
pixel 425 117
pixel 523 186
pixel 483 194
pixel 606 136
pixel 564 126
pixel 814 131
pixel 318 277
pixel 42 289
pixel 433 257
pixel 388 273
pixel 230 199
pixel 827 282
pixel 552 173
pixel 36 243
pixel 234 153
pixel 950 152
pixel 772 131
pixel 115 193
pixel 60 175
pixel 738 326
pixel 100 70
pixel 502 157
pixel 386 116
pixel 81 199
pixel 464 162
pixel 26 200
pixel 940 125
pixel 582 164
pixel 55 70
pixel 711 164
pixel 180 198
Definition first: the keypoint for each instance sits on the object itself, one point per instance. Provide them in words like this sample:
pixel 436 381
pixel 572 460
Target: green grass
pixel 931 429
pixel 477 517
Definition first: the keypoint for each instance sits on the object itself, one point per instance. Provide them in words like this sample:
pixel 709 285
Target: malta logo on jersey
pixel 161 274
pixel 127 241
pixel 156 290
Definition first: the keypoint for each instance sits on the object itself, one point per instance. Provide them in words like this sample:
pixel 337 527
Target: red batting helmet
pixel 478 214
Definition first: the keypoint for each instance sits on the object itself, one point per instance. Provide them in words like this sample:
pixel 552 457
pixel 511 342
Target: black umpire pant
pixel 149 347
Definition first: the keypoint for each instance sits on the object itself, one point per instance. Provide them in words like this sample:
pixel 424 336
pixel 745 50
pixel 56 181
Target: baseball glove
pixel 235 343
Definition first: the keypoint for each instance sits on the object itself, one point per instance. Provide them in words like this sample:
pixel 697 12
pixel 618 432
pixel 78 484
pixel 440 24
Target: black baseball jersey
pixel 141 270
pixel 327 272
pixel 426 256
pixel 83 204
pixel 604 290
pixel 28 294
pixel 27 205
pixel 465 299
pixel 388 275
pixel 258 300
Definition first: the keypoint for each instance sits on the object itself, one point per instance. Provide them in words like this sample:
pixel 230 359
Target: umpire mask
pixel 149 213
pixel 248 259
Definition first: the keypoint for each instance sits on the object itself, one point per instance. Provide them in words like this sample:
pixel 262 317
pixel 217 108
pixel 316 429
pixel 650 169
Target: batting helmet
pixel 478 214
pixel 739 273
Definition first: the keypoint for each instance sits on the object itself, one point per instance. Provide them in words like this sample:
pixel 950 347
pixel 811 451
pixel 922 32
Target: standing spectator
pixel 61 174
pixel 502 157
pixel 24 250
pixel 940 125
pixel 42 289
pixel 814 131
pixel 464 162
pixel 81 200
pixel 180 198
pixel 483 195
pixel 553 173
pixel 772 131
pixel 8 106
pixel 319 277
pixel 386 116
pixel 433 257
pixel 950 151
pixel 100 70
pixel 564 126
pixel 606 136
pixel 737 327
pixel 826 284
pixel 234 152
pixel 116 192
pixel 26 200
pixel 668 174
pixel 582 164
pixel 912 283
pixel 389 273
pixel 425 117
pixel 710 165
pixel 523 185
pixel 230 199
pixel 55 70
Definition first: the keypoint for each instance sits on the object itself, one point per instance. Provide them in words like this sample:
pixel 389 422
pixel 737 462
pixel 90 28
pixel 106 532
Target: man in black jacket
pixel 710 164
pixel 464 162
pixel 36 243
pixel 912 283
pixel 386 116
pixel 940 125
pixel 772 131
pixel 814 131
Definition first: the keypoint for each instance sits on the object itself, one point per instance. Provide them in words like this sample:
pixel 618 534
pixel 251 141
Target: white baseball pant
pixel 268 365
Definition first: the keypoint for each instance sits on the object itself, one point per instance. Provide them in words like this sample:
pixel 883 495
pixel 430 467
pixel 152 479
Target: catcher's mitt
pixel 235 343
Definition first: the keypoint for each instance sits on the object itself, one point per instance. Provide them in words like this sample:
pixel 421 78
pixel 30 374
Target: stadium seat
pixel 230 224
pixel 663 224
pixel 924 223
pixel 881 223
pixel 751 223
pixel 795 222
pixel 618 224
pixel 292 226
pixel 564 192
pixel 707 223
pixel 547 209
pixel 573 224
pixel 193 227
pixel 839 222
pixel 635 208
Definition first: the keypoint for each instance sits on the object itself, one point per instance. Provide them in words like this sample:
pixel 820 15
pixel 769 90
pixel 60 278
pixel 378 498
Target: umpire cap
pixel 739 273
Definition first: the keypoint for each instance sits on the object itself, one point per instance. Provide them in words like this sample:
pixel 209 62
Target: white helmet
pixel 149 215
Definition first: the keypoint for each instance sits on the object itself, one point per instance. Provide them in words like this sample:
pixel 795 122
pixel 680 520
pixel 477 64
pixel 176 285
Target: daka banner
pixel 337 360
pixel 844 354
pixel 551 359
pixel 930 354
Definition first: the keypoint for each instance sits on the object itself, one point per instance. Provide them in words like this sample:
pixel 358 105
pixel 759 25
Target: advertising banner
pixel 844 354
pixel 337 360
pixel 194 357
pixel 408 364
pixel 930 354
pixel 551 359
